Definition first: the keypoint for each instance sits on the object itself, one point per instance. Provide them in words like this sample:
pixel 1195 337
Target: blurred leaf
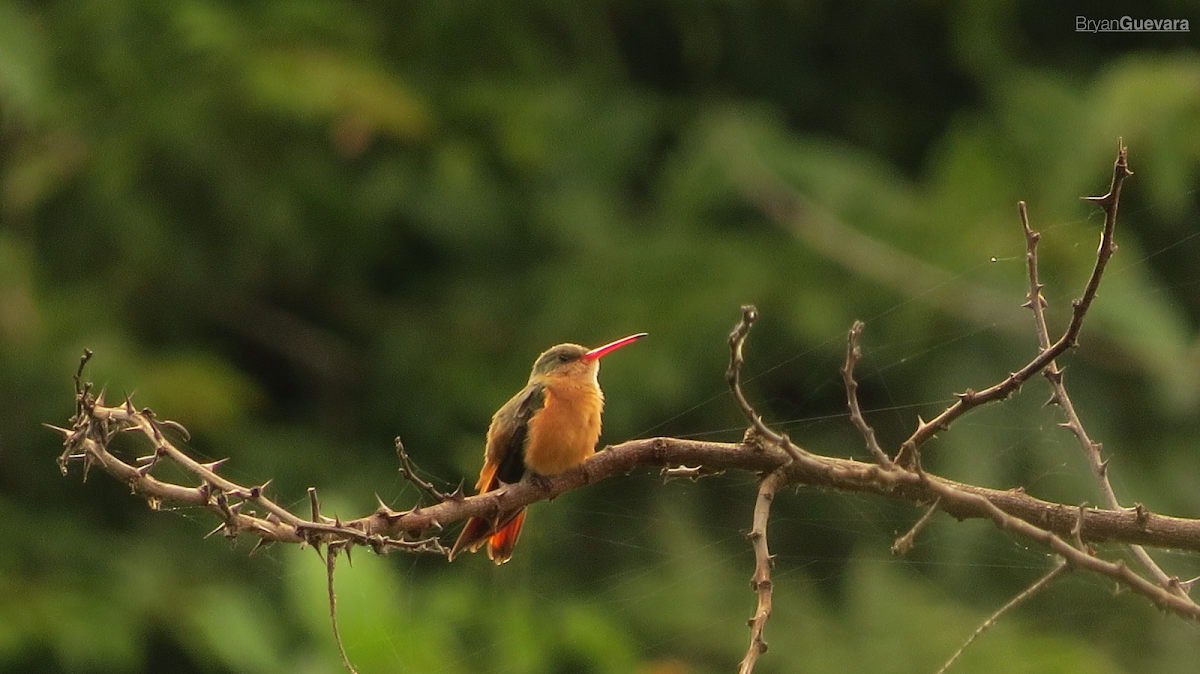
pixel 311 84
pixel 198 387
pixel 238 630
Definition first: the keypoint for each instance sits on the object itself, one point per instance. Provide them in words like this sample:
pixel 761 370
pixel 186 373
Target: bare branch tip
pixel 749 313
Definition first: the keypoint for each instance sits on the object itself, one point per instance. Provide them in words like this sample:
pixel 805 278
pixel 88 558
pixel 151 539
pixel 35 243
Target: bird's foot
pixel 540 481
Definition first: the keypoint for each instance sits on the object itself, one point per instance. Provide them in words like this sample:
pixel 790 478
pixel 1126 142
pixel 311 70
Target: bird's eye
pixel 563 358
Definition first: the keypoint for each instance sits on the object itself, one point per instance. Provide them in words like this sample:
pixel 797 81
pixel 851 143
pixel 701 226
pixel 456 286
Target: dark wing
pixel 509 432
pixel 503 462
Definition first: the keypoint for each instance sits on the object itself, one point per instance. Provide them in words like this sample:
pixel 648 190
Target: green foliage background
pixel 302 229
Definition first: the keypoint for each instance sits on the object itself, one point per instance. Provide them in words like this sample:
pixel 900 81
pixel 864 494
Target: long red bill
pixel 612 346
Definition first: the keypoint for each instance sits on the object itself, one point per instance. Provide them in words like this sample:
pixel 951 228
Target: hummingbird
pixel 550 426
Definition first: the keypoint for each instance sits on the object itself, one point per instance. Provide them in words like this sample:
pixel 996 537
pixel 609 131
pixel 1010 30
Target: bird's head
pixel 575 361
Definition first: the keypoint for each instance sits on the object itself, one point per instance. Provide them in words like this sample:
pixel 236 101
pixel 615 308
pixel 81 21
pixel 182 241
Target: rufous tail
pixel 500 541
pixel 475 532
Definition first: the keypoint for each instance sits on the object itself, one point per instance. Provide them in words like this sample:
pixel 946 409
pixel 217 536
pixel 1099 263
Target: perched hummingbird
pixel 552 425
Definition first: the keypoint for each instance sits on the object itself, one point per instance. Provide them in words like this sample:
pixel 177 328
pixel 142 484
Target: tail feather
pixel 473 535
pixel 500 536
pixel 501 543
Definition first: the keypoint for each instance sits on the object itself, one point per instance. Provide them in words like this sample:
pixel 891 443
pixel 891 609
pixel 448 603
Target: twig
pixel 1091 450
pixel 1038 585
pixel 760 582
pixel 409 472
pixel 330 563
pixel 853 353
pixel 904 544
pixel 733 375
pixel 1069 339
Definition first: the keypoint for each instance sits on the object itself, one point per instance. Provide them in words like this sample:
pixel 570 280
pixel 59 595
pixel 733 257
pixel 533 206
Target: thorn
pixel 314 504
pixel 1143 515
pixel 215 531
pixel 176 426
pixel 256 492
pixel 214 465
pixel 1186 585
pixel 66 433
pixel 262 543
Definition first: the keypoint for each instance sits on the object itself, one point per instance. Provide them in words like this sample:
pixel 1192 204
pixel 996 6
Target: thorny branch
pixel 409 472
pixel 733 375
pixel 1091 450
pixel 763 563
pixel 386 529
pixel 909 451
pixel 853 353
pixel 1066 530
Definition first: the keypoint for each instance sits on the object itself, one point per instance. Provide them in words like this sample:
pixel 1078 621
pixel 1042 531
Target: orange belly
pixel 564 432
